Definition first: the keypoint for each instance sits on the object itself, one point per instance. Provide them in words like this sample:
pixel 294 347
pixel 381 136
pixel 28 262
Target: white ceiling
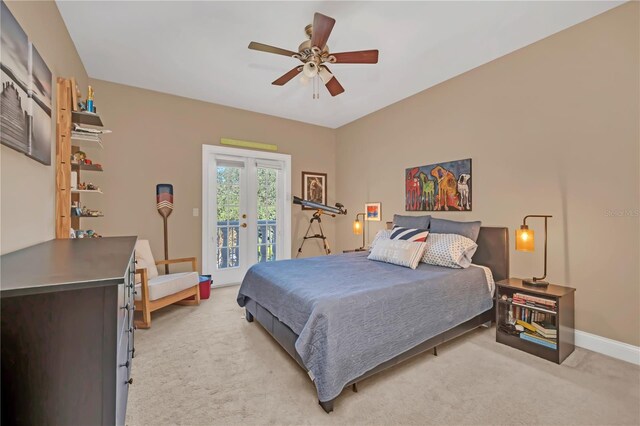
pixel 199 49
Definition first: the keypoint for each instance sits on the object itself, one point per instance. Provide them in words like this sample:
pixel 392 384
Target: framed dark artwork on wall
pixel 439 187
pixel 25 98
pixel 314 188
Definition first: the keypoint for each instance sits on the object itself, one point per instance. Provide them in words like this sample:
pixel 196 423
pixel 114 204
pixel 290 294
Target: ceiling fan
pixel 314 55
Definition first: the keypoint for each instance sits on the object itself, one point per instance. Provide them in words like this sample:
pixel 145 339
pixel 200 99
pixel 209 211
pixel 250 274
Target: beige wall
pixel 551 129
pixel 28 187
pixel 158 138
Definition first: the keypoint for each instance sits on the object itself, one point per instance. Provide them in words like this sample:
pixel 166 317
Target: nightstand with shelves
pixel 551 306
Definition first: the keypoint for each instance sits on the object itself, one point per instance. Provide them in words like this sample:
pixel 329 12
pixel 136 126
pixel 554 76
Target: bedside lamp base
pixel 535 283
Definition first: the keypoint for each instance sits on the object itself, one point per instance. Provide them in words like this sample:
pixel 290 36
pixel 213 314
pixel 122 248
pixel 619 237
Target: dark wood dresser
pixel 67 331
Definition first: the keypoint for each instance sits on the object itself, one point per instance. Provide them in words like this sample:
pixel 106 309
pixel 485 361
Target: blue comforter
pixel 352 314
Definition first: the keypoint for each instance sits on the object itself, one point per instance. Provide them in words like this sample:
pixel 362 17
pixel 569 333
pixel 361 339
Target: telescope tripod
pixel 315 218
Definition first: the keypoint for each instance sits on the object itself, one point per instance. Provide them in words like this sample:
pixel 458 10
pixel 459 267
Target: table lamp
pixel 358 228
pixel 525 241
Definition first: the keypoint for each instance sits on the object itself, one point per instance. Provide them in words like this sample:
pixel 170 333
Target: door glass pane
pixel 267 213
pixel 228 226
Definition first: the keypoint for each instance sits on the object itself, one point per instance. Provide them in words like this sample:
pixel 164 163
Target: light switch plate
pixel 196 212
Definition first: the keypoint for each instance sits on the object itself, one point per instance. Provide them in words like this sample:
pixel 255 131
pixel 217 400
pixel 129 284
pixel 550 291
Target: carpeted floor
pixel 207 365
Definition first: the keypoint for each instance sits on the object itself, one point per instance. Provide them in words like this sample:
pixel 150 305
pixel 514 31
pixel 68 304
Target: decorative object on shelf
pixel 79 157
pixel 164 204
pixel 440 186
pixel 314 188
pixel 358 227
pixel 84 211
pixel 26 93
pixel 525 242
pixel 373 211
pixel 89 233
pixel 89 105
pixel 88 187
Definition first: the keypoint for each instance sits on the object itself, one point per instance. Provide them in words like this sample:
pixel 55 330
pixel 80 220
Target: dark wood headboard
pixel 493 251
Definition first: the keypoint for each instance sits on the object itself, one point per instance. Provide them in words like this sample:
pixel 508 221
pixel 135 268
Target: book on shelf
pixel 535 299
pixel 526 325
pixel 546 329
pixel 539 340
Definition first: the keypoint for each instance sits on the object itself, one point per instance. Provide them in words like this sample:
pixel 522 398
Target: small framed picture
pixel 314 187
pixel 373 211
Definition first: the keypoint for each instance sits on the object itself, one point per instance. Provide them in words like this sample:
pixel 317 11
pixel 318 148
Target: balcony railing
pixel 228 253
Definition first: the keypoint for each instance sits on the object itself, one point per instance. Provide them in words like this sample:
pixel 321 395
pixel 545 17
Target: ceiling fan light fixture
pixel 325 75
pixel 310 69
pixel 304 80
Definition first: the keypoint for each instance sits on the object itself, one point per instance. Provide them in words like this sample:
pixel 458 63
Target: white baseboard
pixel 612 348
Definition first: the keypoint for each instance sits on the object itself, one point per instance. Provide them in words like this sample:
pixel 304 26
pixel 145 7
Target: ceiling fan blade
pixel 359 57
pixel 287 77
pixel 330 81
pixel 322 26
pixel 270 49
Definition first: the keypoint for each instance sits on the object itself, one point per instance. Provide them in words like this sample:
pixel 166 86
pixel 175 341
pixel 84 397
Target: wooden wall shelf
pixel 86 191
pixel 86 141
pixel 88 167
pixel 88 118
pixel 69 142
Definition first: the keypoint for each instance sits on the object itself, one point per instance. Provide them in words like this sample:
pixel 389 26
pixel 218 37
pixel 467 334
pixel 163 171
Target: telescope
pixel 320 209
pixel 338 209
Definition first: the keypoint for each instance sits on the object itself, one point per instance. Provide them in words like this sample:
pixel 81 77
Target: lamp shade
pixel 525 240
pixel 310 69
pixel 357 227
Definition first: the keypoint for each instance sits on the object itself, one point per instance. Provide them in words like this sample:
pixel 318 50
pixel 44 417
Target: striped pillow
pixel 398 252
pixel 409 234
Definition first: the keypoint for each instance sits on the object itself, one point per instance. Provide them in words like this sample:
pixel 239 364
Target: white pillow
pixel 450 250
pixel 384 234
pixel 398 252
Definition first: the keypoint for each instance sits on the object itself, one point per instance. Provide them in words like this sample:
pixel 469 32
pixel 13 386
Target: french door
pixel 246 211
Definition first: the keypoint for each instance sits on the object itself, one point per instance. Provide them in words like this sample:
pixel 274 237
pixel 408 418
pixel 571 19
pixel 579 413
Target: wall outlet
pixel 196 212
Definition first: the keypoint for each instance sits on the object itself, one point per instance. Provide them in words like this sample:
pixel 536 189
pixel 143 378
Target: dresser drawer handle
pixel 126 364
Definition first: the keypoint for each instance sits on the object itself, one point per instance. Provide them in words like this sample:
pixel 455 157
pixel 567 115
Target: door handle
pixel 244 225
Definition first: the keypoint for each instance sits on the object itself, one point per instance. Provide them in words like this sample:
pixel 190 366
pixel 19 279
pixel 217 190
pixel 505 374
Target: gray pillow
pixel 467 229
pixel 415 222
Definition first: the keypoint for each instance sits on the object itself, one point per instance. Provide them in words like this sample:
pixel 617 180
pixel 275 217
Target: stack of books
pixel 539 339
pixel 543 334
pixel 546 329
pixel 539 327
pixel 534 301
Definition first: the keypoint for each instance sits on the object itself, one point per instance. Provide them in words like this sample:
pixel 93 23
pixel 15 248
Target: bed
pixel 344 318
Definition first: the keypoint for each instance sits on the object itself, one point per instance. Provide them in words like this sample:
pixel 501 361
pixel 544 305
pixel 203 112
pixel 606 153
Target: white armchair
pixel 154 291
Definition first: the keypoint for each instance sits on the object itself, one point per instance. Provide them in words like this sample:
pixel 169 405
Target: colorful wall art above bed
pixel 439 187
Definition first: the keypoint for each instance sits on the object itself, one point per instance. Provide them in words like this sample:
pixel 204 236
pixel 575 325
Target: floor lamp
pixel 358 228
